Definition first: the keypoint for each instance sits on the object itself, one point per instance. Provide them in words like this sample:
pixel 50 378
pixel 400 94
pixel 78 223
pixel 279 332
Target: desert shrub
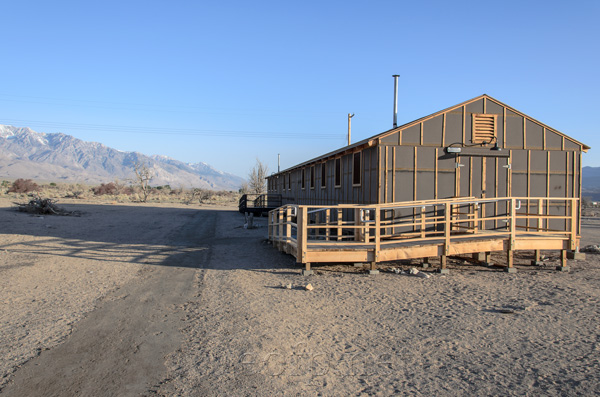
pixel 108 188
pixel 128 190
pixel 53 184
pixel 24 186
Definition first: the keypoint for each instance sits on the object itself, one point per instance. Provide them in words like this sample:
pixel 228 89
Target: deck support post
pixel 425 263
pixel 373 268
pixel 510 262
pixel 537 258
pixel 443 263
pixel 563 262
pixel 307 271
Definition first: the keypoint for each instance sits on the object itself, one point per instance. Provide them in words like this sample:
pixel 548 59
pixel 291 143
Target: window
pixel 484 128
pixel 356 168
pixel 303 179
pixel 323 175
pixel 312 177
pixel 289 181
pixel 338 172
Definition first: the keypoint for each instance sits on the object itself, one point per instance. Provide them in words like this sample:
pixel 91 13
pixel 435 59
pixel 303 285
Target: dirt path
pixel 120 347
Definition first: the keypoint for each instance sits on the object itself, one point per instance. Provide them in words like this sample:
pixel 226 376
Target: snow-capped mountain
pixel 58 157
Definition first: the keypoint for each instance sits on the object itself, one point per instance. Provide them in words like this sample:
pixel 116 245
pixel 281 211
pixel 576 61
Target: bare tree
pixel 257 182
pixel 143 175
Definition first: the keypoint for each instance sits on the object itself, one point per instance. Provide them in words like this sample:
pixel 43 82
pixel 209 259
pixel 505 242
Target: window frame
pixel 323 175
pixel 338 169
pixel 357 173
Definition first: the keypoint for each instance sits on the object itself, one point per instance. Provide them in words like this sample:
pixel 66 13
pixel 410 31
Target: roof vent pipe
pixel 395 76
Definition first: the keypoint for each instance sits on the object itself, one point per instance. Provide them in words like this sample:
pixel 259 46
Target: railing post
pixel 358 234
pixel 511 242
pixel 573 232
pixel 340 214
pixel 288 225
pixel 270 227
pixel 302 234
pixel 377 235
pixel 280 232
pixel 327 220
pixel 447 226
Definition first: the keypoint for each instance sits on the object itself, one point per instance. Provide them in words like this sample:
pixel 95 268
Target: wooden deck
pixel 425 229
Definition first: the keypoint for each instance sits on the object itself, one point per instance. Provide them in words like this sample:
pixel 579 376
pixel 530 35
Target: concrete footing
pixel 307 272
pixel 373 271
pixel 580 256
pixel 444 271
pixel 563 268
pixel 510 270
pixel 425 265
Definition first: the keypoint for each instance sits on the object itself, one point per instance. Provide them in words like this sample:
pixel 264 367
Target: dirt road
pixel 120 347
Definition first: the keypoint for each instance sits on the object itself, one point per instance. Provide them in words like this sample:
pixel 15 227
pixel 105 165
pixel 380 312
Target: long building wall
pixel 411 163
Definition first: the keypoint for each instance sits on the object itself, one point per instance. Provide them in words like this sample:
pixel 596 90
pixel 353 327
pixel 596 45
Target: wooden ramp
pixel 424 229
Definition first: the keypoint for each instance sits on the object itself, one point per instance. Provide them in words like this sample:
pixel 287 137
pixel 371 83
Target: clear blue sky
pixel 227 82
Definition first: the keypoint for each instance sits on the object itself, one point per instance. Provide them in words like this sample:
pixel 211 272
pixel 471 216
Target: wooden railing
pixel 299 229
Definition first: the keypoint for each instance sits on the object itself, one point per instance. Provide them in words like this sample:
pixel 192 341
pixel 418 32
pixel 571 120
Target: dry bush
pixel 24 186
pixel 108 188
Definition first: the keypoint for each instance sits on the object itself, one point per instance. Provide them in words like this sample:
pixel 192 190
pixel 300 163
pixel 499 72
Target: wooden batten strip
pixel 496 170
pixel 573 165
pixel 379 168
pixel 421 137
pixel 456 177
pixel 464 110
pixel 509 174
pixel 567 175
pixel 544 138
pixel 385 186
pixel 471 176
pixel 528 183
pixel 547 183
pixel 579 196
pixel 504 128
pixel 415 176
pixel 443 131
pixel 394 174
pixel 524 133
pixel 435 172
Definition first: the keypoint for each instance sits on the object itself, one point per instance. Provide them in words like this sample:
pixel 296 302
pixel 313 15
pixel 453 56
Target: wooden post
pixel 288 225
pixel 446 248
pixel 327 220
pixel 377 236
pixel 302 237
pixel 280 234
pixel 423 226
pixel 573 222
pixel 358 235
pixel 511 242
pixel 339 223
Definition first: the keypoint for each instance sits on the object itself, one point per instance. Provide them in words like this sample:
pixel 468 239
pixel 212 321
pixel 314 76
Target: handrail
pixel 378 225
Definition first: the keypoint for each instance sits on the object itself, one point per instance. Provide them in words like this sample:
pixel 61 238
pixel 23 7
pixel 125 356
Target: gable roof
pixel 372 141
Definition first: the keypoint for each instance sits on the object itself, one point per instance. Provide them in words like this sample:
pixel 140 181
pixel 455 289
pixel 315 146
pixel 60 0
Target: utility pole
pixel 349 125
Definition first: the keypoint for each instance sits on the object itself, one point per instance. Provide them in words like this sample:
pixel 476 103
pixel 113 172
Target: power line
pixel 169 131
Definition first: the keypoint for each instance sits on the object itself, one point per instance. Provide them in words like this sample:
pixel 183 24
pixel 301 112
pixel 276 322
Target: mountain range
pixel 57 157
